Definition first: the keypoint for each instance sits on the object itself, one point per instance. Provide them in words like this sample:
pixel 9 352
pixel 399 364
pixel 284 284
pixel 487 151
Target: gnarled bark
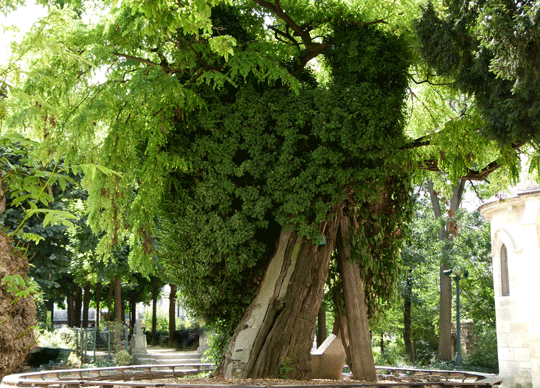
pixel 354 325
pixel 16 315
pixel 276 334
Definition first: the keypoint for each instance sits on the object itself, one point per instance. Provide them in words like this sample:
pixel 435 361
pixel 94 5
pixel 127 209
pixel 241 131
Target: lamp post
pixel 458 274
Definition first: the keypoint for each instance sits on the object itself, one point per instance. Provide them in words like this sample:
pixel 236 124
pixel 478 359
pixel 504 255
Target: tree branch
pixel 141 60
pixel 312 49
pixel 284 34
pixel 471 175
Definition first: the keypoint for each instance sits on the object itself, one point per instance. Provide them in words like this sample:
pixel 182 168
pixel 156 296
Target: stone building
pixel 515 237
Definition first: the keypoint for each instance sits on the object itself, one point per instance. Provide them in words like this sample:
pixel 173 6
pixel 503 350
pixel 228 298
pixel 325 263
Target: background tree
pixel 469 249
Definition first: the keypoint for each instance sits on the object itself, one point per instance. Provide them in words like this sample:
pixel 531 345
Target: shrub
pixel 162 320
pixel 484 356
pixel 187 338
pixel 217 343
pixel 59 338
pixel 122 358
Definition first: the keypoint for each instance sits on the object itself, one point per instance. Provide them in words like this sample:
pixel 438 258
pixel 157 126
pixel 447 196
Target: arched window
pixel 505 284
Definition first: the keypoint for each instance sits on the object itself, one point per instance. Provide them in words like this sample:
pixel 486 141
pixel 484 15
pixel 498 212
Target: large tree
pixel 210 114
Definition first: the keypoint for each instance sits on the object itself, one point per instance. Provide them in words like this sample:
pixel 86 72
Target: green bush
pixel 122 358
pixel 394 354
pixel 162 318
pixel 484 357
pixel 217 343
pixel 59 338
pixel 118 334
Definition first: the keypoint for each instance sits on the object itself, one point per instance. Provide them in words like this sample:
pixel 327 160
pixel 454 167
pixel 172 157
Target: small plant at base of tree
pixel 285 368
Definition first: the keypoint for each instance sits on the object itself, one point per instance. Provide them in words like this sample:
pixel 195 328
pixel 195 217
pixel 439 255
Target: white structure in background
pixel 515 239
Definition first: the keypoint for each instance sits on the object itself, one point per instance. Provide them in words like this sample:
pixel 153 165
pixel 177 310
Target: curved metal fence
pixel 131 376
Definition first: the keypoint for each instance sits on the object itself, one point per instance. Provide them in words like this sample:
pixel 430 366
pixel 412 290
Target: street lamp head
pixel 448 272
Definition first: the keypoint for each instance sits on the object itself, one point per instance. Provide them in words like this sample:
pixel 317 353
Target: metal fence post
pixel 126 336
pixel 109 344
pixel 95 340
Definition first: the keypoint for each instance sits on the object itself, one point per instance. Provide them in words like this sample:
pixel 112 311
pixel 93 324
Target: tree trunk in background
pixel 355 334
pixel 98 312
pixel 446 234
pixel 117 300
pixel 407 318
pixel 50 307
pixel 77 307
pixel 155 292
pixel 86 305
pixel 132 310
pixel 172 314
pixel 69 307
pixel 275 336
pixel 110 302
pixel 321 326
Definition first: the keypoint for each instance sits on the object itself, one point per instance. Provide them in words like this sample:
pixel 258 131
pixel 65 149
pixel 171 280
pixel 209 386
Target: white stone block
pixel 523 355
pixel 514 340
pixel 506 354
pixel 505 313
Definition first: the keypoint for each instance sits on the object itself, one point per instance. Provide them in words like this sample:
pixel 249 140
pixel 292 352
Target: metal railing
pixel 86 341
pixel 131 376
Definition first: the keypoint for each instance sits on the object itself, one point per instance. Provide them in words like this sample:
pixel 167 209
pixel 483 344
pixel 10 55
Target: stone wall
pixel 515 225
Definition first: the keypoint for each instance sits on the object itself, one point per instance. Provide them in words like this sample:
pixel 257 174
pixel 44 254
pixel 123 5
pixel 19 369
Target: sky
pixel 22 18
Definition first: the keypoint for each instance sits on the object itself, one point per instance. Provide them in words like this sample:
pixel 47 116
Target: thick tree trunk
pixel 172 314
pixel 321 326
pixel 117 300
pixel 276 334
pixel 86 305
pixel 407 319
pixel 445 299
pixel 357 338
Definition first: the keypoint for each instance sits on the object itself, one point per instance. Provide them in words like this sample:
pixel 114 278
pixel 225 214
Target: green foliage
pixel 19 286
pixel 285 368
pixel 162 320
pixel 58 338
pixel 262 158
pixel 218 342
pixel 484 356
pixel 30 185
pixel 471 250
pixel 393 354
pixel 488 48
pixel 122 358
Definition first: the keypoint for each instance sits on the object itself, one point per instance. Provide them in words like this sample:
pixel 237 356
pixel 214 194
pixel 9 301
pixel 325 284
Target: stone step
pixel 178 356
pixel 168 356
